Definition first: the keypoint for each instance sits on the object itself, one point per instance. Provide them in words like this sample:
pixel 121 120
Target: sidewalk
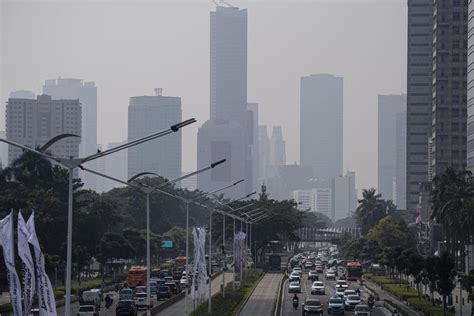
pixel 384 296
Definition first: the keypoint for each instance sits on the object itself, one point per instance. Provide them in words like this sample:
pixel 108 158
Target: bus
pixel 354 270
pixel 136 276
pixel 180 262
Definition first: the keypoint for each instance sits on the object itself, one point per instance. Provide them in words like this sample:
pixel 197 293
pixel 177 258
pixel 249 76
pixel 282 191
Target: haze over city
pixel 130 48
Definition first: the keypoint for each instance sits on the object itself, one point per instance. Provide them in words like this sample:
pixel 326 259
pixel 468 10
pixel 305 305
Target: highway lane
pixel 178 307
pixel 287 304
pixel 103 310
pixel 264 296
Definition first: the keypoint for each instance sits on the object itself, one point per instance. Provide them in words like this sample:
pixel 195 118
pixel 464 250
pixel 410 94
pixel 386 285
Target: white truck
pixel 91 297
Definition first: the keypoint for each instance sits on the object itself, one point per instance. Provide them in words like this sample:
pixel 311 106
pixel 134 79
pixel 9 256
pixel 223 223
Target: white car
pixel 330 275
pixel 297 269
pixel 348 293
pixel 141 300
pixel 318 288
pixel 339 292
pixel 294 287
pixel 342 283
pixel 351 301
pixel 183 281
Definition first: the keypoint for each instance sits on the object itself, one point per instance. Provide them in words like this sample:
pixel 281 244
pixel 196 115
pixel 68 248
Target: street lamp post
pixel 210 259
pixel 73 163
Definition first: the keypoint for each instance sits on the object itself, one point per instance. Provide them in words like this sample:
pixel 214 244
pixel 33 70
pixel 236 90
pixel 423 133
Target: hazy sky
pixel 130 47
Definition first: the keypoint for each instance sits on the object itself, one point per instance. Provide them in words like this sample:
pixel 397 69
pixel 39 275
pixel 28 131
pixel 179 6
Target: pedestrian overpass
pixel 325 235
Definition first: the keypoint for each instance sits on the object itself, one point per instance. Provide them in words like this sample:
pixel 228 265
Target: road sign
pixel 167 244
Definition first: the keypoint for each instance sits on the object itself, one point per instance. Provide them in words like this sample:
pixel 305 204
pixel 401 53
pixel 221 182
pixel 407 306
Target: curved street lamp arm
pixel 9 142
pixel 55 139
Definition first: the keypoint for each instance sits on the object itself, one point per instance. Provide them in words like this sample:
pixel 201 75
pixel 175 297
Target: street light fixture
pixel 148 190
pixel 72 163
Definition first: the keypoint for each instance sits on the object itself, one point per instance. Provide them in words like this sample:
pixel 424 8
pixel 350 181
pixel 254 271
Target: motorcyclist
pixel 296 301
pixel 370 300
pixel 358 291
pixel 108 301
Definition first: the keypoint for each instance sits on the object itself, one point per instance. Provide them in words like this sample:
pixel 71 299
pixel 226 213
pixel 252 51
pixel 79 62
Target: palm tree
pixel 370 210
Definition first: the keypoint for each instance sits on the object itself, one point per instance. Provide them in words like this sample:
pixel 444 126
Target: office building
pixel 254 147
pixel 228 62
pixel 263 153
pixel 470 89
pixel 449 92
pixel 224 141
pixel 188 183
pixel 303 199
pixel 400 186
pixel 148 115
pixel 288 179
pixel 321 125
pixel 23 94
pixel 277 150
pixel 344 196
pixel 230 132
pixel 419 76
pixel 322 201
pixel 86 92
pixel 390 140
pixel 114 165
pixel 3 151
pixel 34 122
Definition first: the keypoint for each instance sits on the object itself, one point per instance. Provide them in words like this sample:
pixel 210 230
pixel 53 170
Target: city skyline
pixel 265 86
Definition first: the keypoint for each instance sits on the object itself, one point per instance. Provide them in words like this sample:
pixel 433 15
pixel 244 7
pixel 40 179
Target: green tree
pixel 370 210
pixel 390 233
pixel 446 273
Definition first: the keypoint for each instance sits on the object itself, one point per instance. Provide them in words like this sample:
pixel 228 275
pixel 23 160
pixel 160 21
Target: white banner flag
pixel 6 241
pixel 46 301
pixel 24 253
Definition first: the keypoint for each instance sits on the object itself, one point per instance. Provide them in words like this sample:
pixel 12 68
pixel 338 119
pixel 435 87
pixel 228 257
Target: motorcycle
pixel 108 302
pixel 371 302
pixel 295 304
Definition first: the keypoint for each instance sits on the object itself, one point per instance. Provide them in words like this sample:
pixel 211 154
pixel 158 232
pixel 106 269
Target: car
pixel 297 269
pixel 173 287
pixel 140 289
pixel 347 293
pixel 362 310
pixel 319 269
pixel 318 288
pixel 126 308
pixel 294 287
pixel 336 305
pixel 330 275
pixel 163 292
pixel 342 283
pixel 294 277
pixel 313 275
pixel 351 301
pixel 141 300
pixel 339 292
pixel 87 310
pixel 312 306
pixel 184 281
pixel 125 294
pixel 308 265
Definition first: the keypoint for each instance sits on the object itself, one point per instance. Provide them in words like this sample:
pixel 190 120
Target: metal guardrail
pixel 277 308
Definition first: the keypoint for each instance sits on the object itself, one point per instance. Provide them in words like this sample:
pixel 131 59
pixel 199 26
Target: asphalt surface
pixel 287 303
pixel 264 296
pixel 179 307
pixel 103 310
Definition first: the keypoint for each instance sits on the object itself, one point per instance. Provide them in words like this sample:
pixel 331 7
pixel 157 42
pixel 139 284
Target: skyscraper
pixel 449 97
pixel 254 148
pixel 86 92
pixel 147 115
pixel 229 133
pixel 264 153
pixel 34 122
pixel 419 71
pixel 228 62
pixel 277 150
pixel 345 196
pixel 321 125
pixel 401 160
pixel 389 141
pixel 470 91
pixel 115 165
pixel 3 151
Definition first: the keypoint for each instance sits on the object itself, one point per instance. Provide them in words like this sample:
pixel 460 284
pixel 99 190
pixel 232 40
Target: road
pixel 103 310
pixel 263 297
pixel 287 304
pixel 178 307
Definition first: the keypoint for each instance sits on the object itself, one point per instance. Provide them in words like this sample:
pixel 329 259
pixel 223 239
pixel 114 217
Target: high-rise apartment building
pixel 321 124
pixel 34 122
pixel 390 141
pixel 470 89
pixel 345 196
pixel 419 76
pixel 147 115
pixel 86 92
pixel 230 133
pixel 449 91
